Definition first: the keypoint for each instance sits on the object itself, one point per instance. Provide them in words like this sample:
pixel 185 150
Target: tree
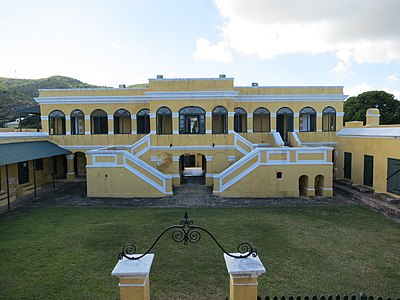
pixel 355 108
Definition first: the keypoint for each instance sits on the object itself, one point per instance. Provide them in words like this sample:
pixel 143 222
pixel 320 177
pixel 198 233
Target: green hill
pixel 19 93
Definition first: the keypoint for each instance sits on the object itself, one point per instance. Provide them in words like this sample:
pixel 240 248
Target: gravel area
pixel 188 195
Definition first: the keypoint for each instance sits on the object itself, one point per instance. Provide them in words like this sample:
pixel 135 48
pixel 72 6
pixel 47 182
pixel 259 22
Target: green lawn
pixel 68 253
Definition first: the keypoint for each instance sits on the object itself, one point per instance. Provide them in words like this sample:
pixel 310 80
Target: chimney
pixel 160 76
pixel 254 84
pixel 372 117
pixel 122 86
pixel 221 76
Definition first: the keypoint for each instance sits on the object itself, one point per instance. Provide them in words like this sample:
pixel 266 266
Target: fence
pixel 361 296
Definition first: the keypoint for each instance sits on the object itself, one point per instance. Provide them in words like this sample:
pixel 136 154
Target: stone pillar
pixel 70 167
pixel 134 277
pixel 243 276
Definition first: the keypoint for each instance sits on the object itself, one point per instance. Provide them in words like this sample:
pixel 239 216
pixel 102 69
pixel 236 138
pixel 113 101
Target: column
pixel 243 276
pixel 134 277
pixel 70 167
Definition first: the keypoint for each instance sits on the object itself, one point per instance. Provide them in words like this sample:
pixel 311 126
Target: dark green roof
pixel 30 110
pixel 11 153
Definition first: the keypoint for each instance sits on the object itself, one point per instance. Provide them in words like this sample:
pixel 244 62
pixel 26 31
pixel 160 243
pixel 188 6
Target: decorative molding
pixel 292 98
pixel 192 95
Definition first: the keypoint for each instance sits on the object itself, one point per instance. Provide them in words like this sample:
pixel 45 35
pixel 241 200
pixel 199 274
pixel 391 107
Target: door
pixel 393 176
pixel 23 172
pixel 280 125
pixel 368 170
pixel 347 165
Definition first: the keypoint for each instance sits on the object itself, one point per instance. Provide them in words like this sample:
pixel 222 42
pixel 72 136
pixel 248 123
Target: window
pixel 240 120
pixel 192 120
pixel 99 122
pixel 56 123
pixel 122 121
pixel 329 119
pixel 77 122
pixel 143 121
pixel 39 164
pixel 219 120
pixel 307 119
pixel 261 120
pixel 279 175
pixel 164 120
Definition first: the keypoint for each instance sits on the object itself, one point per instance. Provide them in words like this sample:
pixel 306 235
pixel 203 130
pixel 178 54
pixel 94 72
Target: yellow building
pixel 251 141
pixel 369 155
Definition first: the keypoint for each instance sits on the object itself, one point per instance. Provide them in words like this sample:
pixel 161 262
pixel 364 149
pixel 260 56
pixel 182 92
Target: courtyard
pixel 64 246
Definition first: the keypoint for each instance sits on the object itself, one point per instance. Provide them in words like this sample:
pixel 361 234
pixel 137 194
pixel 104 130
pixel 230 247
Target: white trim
pixel 325 189
pixel 87 132
pixel 245 284
pixel 368 132
pixel 175 131
pixel 110 117
pixel 67 118
pixel 273 115
pixel 231 114
pixel 208 131
pixel 319 114
pixel 91 99
pixel 217 147
pixel 340 114
pixel 153 132
pixel 231 131
pixel 208 114
pixel 210 175
pixel 152 115
pixel 110 132
pixel 153 158
pixel 175 158
pixel 134 132
pixel 292 98
pixel 133 117
pixel 250 115
pixel 209 158
pixel 296 114
pixel 87 117
pixel 232 158
pixel 250 130
pixel 44 118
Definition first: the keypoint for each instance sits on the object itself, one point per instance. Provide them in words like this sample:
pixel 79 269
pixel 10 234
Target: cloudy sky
pixel 354 43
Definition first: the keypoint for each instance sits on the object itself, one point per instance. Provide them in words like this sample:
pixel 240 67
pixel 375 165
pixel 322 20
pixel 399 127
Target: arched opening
pixel 122 122
pixel 284 122
pixel 240 120
pixel 143 121
pixel 318 185
pixel 192 120
pixel 261 120
pixel 303 185
pixel 99 122
pixel 329 119
pixel 307 119
pixel 56 122
pixel 193 168
pixel 80 164
pixel 77 122
pixel 219 120
pixel 164 120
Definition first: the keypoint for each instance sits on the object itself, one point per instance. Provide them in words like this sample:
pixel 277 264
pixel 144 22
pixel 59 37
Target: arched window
pixel 284 122
pixel 122 121
pixel 307 119
pixel 77 122
pixel 329 119
pixel 143 121
pixel 219 120
pixel 192 120
pixel 240 120
pixel 261 120
pixel 56 122
pixel 99 122
pixel 164 120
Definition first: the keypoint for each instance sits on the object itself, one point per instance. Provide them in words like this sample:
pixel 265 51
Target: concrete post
pixel 243 276
pixel 134 277
pixel 70 167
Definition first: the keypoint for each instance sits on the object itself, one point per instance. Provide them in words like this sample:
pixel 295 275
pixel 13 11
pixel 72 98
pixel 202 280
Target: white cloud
pixel 394 78
pixel 207 52
pixel 114 45
pixel 357 89
pixel 355 31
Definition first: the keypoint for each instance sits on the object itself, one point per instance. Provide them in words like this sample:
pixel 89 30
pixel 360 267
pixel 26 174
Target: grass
pixel 68 253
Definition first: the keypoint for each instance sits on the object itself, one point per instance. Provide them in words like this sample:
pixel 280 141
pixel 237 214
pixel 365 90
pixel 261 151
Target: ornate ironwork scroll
pixel 187 233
